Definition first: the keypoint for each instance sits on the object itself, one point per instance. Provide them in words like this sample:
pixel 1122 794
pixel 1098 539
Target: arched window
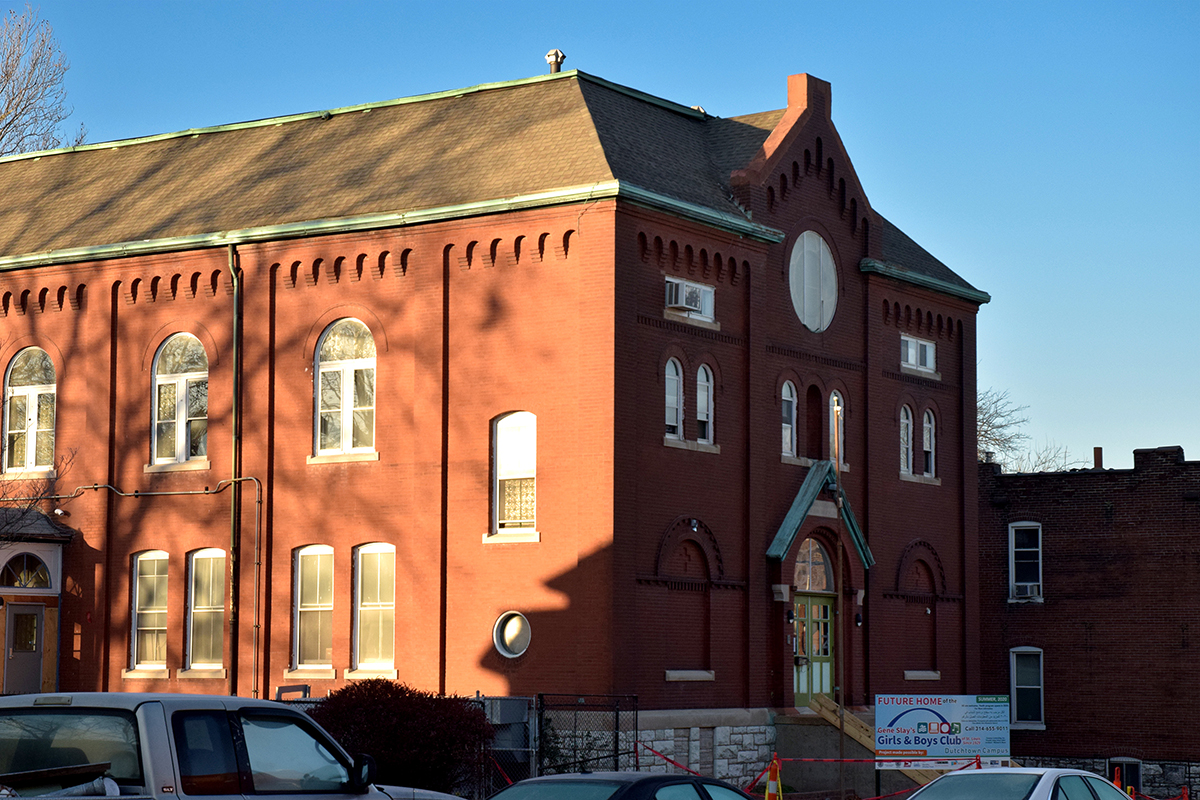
pixel 812 278
pixel 704 404
pixel 788 407
pixel 928 442
pixel 375 606
pixel 314 607
pixel 150 610
pixel 25 571
pixel 906 440
pixel 29 411
pixel 837 428
pixel 346 389
pixel 814 572
pixel 515 457
pixel 180 400
pixel 674 384
pixel 206 609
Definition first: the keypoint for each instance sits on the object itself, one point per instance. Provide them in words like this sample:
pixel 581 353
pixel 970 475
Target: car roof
pixel 130 701
pixel 615 777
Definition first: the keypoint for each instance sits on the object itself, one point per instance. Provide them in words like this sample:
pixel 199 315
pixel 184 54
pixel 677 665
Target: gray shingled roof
pixel 481 147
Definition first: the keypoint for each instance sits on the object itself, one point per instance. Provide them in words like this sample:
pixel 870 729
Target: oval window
pixel 812 276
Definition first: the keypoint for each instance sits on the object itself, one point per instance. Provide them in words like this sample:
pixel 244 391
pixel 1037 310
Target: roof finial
pixel 555 58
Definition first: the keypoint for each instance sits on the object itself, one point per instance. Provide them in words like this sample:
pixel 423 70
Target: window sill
pixel 513 536
pixel 341 458
pixel 364 673
pixel 193 465
pixel 199 674
pixel 796 461
pixel 928 480
pixel 684 444
pixel 29 475
pixel 682 675
pixel 921 373
pixel 922 675
pixel 1027 726
pixel 145 674
pixel 677 316
pixel 1024 600
pixel 311 673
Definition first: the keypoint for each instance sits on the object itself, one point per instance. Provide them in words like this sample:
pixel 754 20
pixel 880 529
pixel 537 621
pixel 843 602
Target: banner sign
pixel 940 731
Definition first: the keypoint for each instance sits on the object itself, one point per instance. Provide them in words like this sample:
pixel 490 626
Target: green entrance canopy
pixel 820 477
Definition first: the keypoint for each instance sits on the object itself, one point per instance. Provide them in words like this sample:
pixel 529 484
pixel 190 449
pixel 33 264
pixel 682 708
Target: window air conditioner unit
pixel 1026 590
pixel 684 298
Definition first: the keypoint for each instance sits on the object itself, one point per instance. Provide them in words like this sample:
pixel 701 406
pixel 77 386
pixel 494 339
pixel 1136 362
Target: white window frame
pixel 929 443
pixel 514 457
pixel 1024 591
pixel 315 606
pixel 181 382
pixel 918 354
pixel 346 369
pixel 673 378
pixel 28 427
pixel 193 606
pixel 906 440
pixel 136 656
pixel 690 299
pixel 836 400
pixel 360 605
pixel 788 401
pixel 704 405
pixel 1040 722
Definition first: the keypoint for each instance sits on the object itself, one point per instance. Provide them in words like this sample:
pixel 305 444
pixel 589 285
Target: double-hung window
pixel 180 400
pixel 150 610
pixel 928 443
pixel 673 380
pixel 693 300
pixel 918 354
pixel 29 412
pixel 837 428
pixel 704 404
pixel 314 607
pixel 1025 561
pixel 515 468
pixel 906 440
pixel 375 606
pixel 1028 700
pixel 206 610
pixel 788 407
pixel 345 389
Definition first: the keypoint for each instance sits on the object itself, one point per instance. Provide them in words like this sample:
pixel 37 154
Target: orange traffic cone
pixel 773 792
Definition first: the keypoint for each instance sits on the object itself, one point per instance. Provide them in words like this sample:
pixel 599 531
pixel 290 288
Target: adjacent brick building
pixel 1088 591
pixel 528 387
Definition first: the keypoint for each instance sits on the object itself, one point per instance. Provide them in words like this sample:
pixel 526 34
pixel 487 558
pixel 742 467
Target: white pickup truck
pixel 165 746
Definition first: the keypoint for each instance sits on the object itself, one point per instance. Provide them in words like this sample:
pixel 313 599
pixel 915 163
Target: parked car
pixel 620 786
pixel 1019 783
pixel 165 746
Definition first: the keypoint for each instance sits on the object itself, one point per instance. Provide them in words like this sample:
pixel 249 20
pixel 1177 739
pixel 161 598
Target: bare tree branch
pixel 32 97
pixel 1001 439
pixel 26 503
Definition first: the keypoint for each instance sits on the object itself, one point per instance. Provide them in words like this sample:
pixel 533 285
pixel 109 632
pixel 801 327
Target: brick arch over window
pixel 195 328
pixel 920 551
pixel 359 312
pixel 683 530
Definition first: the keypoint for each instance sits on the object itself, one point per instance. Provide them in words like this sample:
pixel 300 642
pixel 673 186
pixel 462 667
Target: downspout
pixel 235 497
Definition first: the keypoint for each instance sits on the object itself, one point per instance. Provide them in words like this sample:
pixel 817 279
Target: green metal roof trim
pixel 820 475
pixel 901 274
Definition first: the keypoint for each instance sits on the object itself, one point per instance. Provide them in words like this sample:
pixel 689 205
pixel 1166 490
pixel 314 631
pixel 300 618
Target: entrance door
pixel 814 647
pixel 24 641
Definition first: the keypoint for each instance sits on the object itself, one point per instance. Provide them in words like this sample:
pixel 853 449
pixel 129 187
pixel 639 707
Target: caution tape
pixel 669 760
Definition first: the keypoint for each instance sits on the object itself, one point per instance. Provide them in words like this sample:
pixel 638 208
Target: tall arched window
pixel 206 609
pixel 180 400
pixel 814 572
pixel 515 458
pixel 150 610
pixel 314 607
pixel 788 407
pixel 929 441
pixel 29 411
pixel 375 606
pixel 906 440
pixel 704 404
pixel 837 428
pixel 345 389
pixel 673 379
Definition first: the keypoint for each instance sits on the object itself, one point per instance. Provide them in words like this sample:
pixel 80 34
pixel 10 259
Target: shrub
pixel 416 738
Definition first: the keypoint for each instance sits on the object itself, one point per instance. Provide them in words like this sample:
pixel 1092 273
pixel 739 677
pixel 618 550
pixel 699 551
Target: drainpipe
pixel 235 498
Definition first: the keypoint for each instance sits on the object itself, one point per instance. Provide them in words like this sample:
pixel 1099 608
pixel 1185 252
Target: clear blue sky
pixel 1047 151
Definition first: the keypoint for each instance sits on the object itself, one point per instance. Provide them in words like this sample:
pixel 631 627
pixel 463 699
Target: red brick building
pixel 1088 595
pixel 382 390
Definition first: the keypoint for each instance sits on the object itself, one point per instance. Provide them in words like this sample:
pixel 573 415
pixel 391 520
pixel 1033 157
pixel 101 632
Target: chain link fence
pixel 586 732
